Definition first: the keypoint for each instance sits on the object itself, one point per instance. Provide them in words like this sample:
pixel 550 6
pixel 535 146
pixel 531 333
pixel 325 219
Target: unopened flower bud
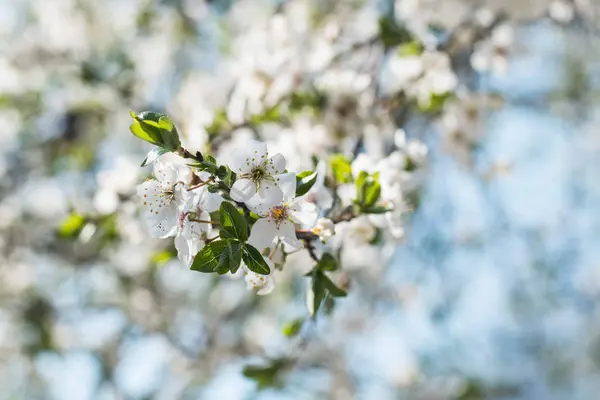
pixel 325 229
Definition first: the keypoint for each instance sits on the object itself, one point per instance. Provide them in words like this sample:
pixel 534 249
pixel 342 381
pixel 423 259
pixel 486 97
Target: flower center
pixel 257 175
pixel 278 213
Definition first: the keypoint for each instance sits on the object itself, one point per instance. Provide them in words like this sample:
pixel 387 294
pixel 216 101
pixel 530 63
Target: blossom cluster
pixel 245 216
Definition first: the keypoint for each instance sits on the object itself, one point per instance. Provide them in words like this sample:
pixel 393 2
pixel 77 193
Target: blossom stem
pixel 311 250
pixel 207 241
pixel 203 183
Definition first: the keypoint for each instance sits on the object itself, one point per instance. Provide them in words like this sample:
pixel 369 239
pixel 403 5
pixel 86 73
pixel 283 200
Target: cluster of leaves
pixel 226 255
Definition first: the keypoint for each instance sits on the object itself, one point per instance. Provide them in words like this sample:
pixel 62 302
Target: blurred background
pixel 492 293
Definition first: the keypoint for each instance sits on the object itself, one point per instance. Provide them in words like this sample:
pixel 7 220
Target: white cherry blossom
pixel 264 283
pixel 162 198
pixel 325 228
pixel 278 222
pixel 194 226
pixel 258 174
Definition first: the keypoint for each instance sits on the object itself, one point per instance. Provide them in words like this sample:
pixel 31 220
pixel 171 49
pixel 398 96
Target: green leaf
pixel 164 122
pixel 230 258
pixel 327 262
pixel 156 128
pixel 413 48
pixel 235 256
pixel 375 210
pixel 368 190
pixel 435 103
pixel 223 266
pixel 271 114
pixel 372 193
pixel 208 258
pixel 153 155
pixel 254 260
pixel 342 169
pixel 391 33
pixel 162 257
pixel 292 328
pixel 304 182
pixel 151 137
pixel 267 375
pixel 233 223
pixel 331 287
pixel 222 172
pixel 150 116
pixel 360 186
pixel 71 226
pixel 169 133
pixel 316 294
pixel 312 100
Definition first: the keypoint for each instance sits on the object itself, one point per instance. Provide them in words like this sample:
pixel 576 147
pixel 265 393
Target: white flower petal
pixel 257 206
pixel 257 150
pixel 287 183
pixel 270 193
pixel 148 189
pixel 267 287
pixel 243 190
pixel 166 172
pixel 303 213
pixel 287 233
pixel 291 244
pixel 209 201
pixel 244 159
pixel 194 230
pixel 263 233
pixel 238 161
pixel 187 249
pixel 163 229
pixel 276 164
pixel 183 250
pixel 264 283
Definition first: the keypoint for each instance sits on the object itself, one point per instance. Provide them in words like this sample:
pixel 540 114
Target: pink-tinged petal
pixel 263 233
pixel 303 213
pixel 243 190
pixel 287 183
pixel 270 194
pixel 276 164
